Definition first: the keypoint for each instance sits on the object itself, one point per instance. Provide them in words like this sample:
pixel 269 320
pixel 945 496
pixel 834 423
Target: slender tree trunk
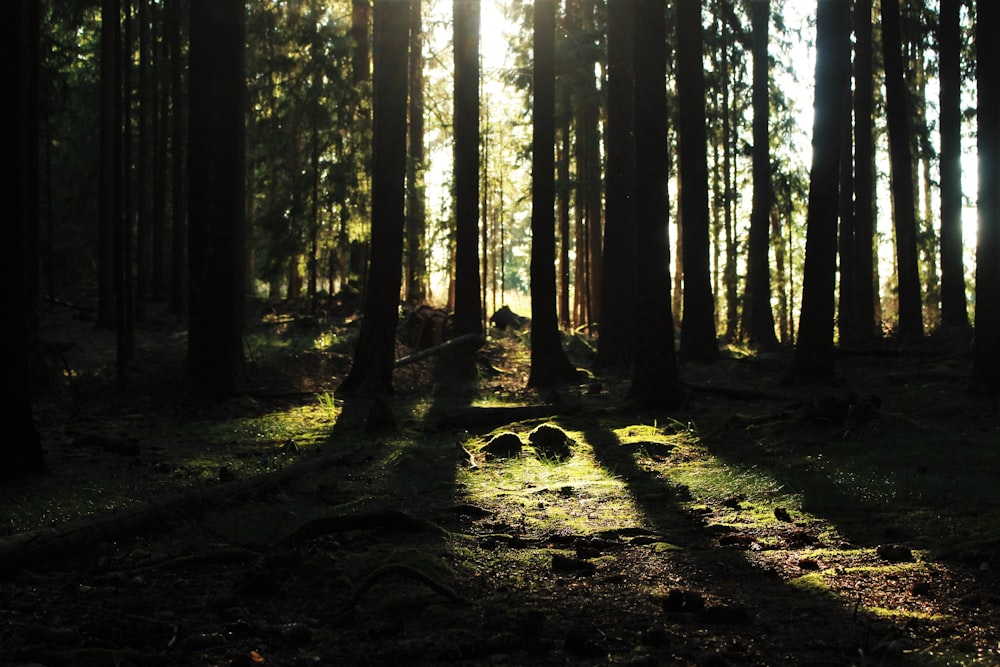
pixel 615 344
pixel 110 195
pixel 655 382
pixel 374 356
pixel 865 283
pixel 21 453
pixel 911 323
pixel 178 172
pixel 698 326
pixel 416 208
pixel 986 364
pixel 846 305
pixel 813 360
pixel 758 317
pixel 563 192
pixel 217 168
pixel 468 317
pixel 954 307
pixel 549 364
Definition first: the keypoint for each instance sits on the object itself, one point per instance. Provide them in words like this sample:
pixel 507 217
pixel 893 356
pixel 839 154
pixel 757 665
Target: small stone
pixel 894 553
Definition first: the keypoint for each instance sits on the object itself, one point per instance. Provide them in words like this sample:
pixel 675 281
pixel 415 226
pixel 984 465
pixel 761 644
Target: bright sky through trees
pixel 794 52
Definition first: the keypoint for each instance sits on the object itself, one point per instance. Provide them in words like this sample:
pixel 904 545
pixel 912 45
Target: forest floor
pixel 856 523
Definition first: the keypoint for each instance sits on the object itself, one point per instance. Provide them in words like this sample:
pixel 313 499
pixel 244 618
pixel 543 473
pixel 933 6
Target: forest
pixel 500 332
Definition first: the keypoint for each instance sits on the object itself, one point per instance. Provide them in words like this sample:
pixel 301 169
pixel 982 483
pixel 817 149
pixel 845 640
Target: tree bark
pixel 655 382
pixel 813 361
pixel 698 340
pixel 615 346
pixel 549 364
pixel 758 317
pixel 374 356
pixel 21 454
pixel 416 213
pixel 911 320
pixel 986 365
pixel 468 311
pixel 216 204
pixel 954 307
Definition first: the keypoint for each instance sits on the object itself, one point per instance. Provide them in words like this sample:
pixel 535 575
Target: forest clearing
pixel 853 523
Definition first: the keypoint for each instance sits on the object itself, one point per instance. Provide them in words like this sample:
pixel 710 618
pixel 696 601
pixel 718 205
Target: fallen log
pixel 438 349
pixel 499 415
pixel 35 548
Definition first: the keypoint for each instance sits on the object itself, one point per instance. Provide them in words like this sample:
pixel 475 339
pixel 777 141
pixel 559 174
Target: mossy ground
pixel 740 530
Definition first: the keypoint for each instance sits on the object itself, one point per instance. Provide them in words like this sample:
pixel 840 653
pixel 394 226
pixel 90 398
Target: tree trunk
pixel 954 308
pixel 549 364
pixel 698 326
pixel 21 454
pixel 110 156
pixel 416 212
pixel 758 318
pixel 986 366
pixel 178 173
pixel 865 281
pixel 374 356
pixel 655 382
pixel 813 361
pixel 217 169
pixel 911 322
pixel 468 314
pixel 615 344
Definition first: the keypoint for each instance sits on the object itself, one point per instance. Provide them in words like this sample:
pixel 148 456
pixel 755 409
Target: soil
pixel 852 523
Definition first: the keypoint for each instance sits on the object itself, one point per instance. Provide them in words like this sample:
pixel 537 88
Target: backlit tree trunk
pixel 549 364
pixel 954 308
pixel 911 321
pixel 615 344
pixel 374 356
pixel 217 169
pixel 468 317
pixel 758 318
pixel 813 361
pixel 698 326
pixel 655 383
pixel 986 367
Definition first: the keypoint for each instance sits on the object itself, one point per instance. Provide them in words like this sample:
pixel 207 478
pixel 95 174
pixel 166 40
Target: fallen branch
pixel 495 416
pixel 438 349
pixel 393 519
pixel 36 547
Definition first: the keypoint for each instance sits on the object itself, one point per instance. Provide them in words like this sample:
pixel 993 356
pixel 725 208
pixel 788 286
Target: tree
pixel 655 382
pixel 374 356
pixel 178 145
pixel 813 361
pixel 911 320
pixel 858 271
pixel 110 160
pixel 549 364
pixel 954 309
pixel 468 316
pixel 614 346
pixel 416 210
pixel 986 364
pixel 21 454
pixel 758 318
pixel 216 196
pixel 698 325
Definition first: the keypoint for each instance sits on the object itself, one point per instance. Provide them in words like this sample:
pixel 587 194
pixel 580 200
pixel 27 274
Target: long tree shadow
pixel 743 607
